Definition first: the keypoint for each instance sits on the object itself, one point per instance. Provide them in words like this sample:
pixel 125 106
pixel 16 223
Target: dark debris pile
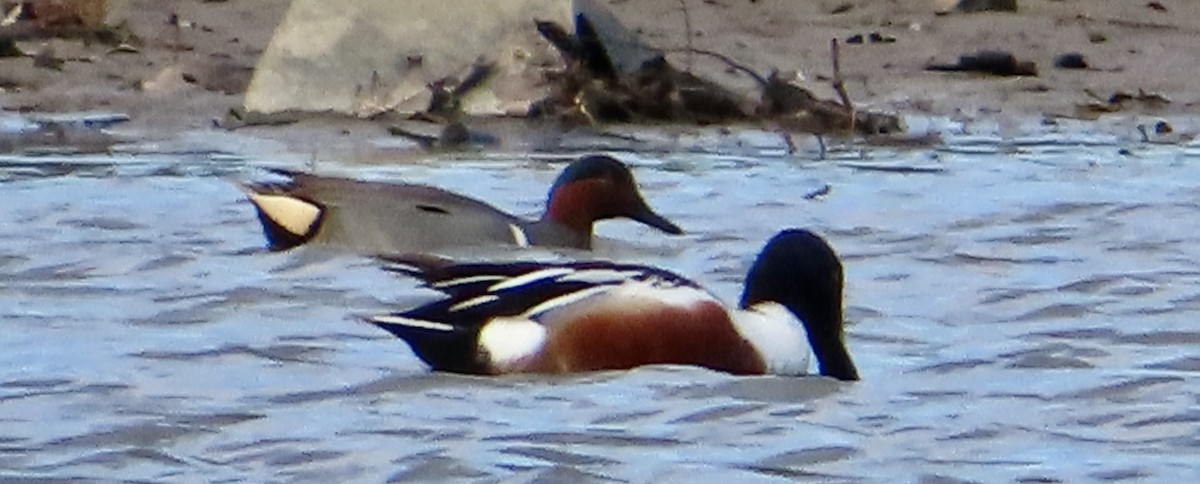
pixel 589 89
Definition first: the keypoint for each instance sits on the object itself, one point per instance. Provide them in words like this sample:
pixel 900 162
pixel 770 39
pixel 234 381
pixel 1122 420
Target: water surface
pixel 1020 311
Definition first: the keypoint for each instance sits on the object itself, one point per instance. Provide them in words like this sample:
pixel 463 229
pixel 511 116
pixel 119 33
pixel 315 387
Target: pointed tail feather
pixel 444 347
pixel 427 267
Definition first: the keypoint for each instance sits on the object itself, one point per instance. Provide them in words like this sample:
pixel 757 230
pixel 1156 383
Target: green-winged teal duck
pixel 388 218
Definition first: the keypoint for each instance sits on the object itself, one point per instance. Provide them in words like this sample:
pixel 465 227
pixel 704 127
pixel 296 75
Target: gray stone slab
pixel 363 57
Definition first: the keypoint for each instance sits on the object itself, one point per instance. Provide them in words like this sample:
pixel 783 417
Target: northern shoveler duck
pixel 584 316
pixel 387 218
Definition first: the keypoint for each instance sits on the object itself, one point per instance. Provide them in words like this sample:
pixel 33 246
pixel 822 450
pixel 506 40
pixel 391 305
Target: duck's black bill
pixel 834 361
pixel 648 217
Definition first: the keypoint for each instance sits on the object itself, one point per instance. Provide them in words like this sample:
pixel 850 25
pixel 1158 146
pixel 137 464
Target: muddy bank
pixel 1129 46
pixel 186 63
pixel 174 65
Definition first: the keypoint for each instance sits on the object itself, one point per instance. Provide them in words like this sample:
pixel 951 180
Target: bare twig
pixel 1145 136
pixel 762 81
pixel 838 84
pixel 787 138
pixel 481 71
pixel 687 26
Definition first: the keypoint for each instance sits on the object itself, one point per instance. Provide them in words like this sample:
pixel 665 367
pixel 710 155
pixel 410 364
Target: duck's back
pixel 387 218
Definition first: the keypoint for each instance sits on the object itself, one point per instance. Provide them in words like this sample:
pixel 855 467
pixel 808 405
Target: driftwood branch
pixel 839 85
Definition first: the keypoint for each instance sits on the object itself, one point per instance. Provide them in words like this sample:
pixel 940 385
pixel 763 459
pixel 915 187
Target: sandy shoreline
pixel 182 78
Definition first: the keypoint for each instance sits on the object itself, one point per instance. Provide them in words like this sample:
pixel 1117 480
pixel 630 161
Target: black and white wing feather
pixel 479 291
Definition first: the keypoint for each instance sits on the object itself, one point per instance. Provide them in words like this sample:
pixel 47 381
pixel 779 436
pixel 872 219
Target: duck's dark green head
pixel 599 187
pixel 799 270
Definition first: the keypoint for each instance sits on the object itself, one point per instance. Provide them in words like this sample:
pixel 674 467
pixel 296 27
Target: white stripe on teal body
pixel 519 236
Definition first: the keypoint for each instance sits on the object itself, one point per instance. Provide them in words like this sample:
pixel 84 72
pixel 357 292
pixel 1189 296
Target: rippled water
pixel 1020 311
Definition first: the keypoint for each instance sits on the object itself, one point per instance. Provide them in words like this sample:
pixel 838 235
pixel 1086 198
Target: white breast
pixel 778 336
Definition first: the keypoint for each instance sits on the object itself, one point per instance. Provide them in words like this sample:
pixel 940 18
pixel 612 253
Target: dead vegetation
pixel 81 20
pixel 589 89
pixel 1118 102
pixel 72 19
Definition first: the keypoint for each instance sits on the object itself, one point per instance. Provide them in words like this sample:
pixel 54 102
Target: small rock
pixel 166 81
pixel 878 38
pixel 987 6
pixel 46 59
pixel 8 48
pixel 1071 60
pixel 995 62
pixel 842 8
pixel 873 37
pixel 226 77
